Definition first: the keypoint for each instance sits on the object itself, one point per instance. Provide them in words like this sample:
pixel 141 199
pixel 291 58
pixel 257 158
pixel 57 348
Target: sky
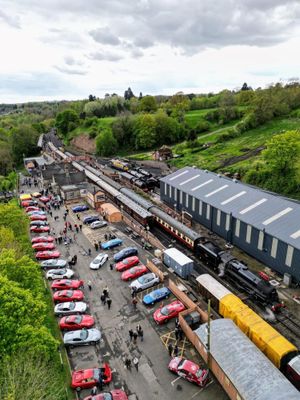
pixel 68 49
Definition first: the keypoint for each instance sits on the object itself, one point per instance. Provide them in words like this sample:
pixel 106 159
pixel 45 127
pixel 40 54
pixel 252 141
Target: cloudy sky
pixel 68 49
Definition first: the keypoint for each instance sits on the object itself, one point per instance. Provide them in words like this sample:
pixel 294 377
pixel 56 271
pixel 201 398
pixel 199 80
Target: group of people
pixel 178 332
pixel 133 335
pixel 105 298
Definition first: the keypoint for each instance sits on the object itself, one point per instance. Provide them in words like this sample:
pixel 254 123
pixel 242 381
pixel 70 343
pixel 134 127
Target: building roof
pixel 276 215
pixel 109 208
pixel 249 370
pixel 133 206
pixel 69 188
pixel 213 286
pixel 180 258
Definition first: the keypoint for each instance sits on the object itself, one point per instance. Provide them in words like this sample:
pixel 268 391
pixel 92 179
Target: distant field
pixel 101 123
pixel 192 117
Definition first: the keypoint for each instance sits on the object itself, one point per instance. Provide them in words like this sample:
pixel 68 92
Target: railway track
pixel 289 326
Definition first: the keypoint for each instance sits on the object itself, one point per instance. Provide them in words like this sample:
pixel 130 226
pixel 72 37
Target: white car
pixel 98 224
pixel 62 273
pixel 70 307
pixel 145 281
pixel 99 261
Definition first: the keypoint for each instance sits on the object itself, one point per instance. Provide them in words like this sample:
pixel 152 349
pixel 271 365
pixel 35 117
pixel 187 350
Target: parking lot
pixel 152 380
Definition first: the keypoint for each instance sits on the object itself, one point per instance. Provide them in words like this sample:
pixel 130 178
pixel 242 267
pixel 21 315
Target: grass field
pixel 193 117
pixel 101 123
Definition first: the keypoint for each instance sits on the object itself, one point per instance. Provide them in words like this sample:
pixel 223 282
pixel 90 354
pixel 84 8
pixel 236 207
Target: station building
pixel 263 224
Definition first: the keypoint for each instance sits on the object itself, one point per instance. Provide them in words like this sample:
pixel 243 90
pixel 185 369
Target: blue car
pixel 128 252
pixel 111 243
pixel 156 295
pixel 91 218
pixel 79 208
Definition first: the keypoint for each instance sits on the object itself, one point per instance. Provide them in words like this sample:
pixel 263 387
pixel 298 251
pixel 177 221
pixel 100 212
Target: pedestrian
pixel 176 332
pixel 136 363
pixel 130 334
pixel 70 227
pixel 78 217
pixel 50 212
pixel 74 237
pixel 94 391
pixel 170 349
pixel 109 301
pixel 89 252
pixel 180 332
pixel 141 334
pixel 89 283
pixel 103 299
pixel 80 227
pixel 133 292
pixel 56 240
pixel 111 266
pixel 99 244
pixel 75 259
pixel 105 292
pixel 176 350
pixel 134 303
pixel 96 246
pixel 128 363
pixel 105 236
pixel 135 336
pixel 77 229
pixel 176 322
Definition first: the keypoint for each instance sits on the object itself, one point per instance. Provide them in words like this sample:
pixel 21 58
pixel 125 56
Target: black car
pixel 128 252
pixel 91 218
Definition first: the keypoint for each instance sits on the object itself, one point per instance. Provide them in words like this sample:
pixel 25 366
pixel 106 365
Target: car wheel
pixel 93 343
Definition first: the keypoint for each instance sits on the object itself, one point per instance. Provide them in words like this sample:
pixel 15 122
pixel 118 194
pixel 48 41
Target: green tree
pixel 66 121
pixel 144 131
pixel 106 144
pixel 148 104
pixel 24 142
pixel 168 130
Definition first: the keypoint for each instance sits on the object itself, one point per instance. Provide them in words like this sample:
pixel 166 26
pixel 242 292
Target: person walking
pixel 135 336
pixel 80 227
pixel 128 363
pixel 109 301
pixel 176 333
pixel 141 334
pixel 176 350
pixel 78 217
pixel 111 266
pixel 105 291
pixel 170 349
pixel 103 299
pixel 89 252
pixel 180 333
pixel 89 283
pixel 136 363
pixel 133 292
pixel 130 334
pixel 96 246
pixel 134 303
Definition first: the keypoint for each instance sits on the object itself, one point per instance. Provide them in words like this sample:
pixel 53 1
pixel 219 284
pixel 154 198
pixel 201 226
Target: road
pixel 153 380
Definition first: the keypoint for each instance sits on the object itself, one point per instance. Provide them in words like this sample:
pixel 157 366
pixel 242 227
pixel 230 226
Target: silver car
pixel 62 273
pixel 58 263
pixel 98 224
pixel 99 261
pixel 82 337
pixel 70 307
pixel 145 281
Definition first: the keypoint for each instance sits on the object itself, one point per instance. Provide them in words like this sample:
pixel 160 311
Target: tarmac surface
pixel 153 379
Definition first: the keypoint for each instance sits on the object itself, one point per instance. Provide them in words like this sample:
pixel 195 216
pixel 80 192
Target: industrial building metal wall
pixel 249 238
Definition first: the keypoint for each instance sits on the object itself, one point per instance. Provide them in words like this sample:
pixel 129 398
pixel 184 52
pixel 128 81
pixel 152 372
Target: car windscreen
pixel 72 306
pixel 199 372
pixel 84 334
pixel 165 311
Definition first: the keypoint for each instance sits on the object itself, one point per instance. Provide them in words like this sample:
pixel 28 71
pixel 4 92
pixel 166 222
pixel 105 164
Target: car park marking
pixel 201 390
pixel 175 380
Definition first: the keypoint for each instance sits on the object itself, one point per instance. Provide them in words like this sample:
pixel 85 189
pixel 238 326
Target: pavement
pixel 152 380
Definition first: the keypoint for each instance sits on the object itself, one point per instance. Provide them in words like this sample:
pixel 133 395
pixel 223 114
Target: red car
pixel 38 217
pixel 134 272
pixel 45 255
pixel 43 246
pixel 75 322
pixel 164 313
pixel 64 284
pixel 115 394
pixel 32 208
pixel 42 239
pixel 39 229
pixel 28 203
pixel 127 263
pixel 88 378
pixel 189 370
pixel 68 295
pixel 44 199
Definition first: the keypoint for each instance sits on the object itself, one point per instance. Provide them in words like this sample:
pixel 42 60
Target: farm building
pixel 264 225
pixel 110 212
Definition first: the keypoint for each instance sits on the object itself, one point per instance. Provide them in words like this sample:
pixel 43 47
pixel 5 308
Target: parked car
pixel 127 263
pixel 74 322
pixel 163 314
pixel 189 370
pixel 39 229
pixel 87 378
pixel 36 212
pixel 145 281
pixel 111 243
pixel 115 394
pixel 43 246
pixel 64 284
pixel 39 223
pixel 72 307
pixel 127 252
pixel 45 255
pixel 90 218
pixel 32 208
pixel 79 208
pixel 51 263
pixel 134 272
pixel 44 199
pixel 37 217
pixel 99 261
pixel 98 224
pixel 29 203
pixel 82 337
pixel 62 273
pixel 156 296
pixel 42 239
pixel 36 194
pixel 68 295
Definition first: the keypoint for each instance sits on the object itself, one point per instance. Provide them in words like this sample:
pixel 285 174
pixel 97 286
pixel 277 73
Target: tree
pixel 144 131
pixel 245 87
pixel 23 142
pixel 148 104
pixel 128 94
pixel 106 144
pixel 282 151
pixel 168 130
pixel 66 120
pixel 92 98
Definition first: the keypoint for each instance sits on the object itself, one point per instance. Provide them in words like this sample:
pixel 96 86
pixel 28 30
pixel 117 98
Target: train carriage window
pixel 208 211
pixel 260 244
pixel 193 204
pixel 166 189
pixel 175 194
pixel 274 247
pixel 180 197
pixel 187 200
pixel 248 233
pixel 200 207
pixel 227 225
pixel 289 256
pixel 218 217
pixel 237 227
pixel 170 191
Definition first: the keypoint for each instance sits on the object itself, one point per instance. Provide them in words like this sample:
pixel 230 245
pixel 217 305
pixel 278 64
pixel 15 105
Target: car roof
pixel 189 366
